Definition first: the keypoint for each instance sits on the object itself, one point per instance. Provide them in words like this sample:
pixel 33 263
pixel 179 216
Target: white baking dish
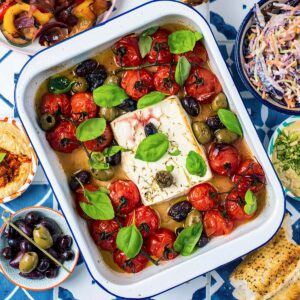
pixel 219 251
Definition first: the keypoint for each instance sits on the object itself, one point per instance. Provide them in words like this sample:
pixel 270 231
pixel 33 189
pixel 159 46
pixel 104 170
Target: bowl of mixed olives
pixel 25 263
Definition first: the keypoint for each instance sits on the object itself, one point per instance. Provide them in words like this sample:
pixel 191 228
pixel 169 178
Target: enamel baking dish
pixel 221 250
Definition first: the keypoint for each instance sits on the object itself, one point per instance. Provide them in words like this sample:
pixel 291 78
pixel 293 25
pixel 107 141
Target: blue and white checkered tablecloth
pixel 225 20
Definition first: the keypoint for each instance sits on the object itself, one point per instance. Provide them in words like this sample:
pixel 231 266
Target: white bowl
pixel 220 250
pixel 45 284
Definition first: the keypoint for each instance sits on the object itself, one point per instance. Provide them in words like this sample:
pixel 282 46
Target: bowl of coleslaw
pixel 267 54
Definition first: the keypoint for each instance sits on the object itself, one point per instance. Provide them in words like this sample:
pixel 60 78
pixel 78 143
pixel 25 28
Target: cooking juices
pixel 150 105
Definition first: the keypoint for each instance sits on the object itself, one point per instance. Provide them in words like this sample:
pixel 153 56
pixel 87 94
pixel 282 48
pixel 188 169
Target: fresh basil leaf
pixel 150 99
pixel 182 71
pixel 130 241
pixel 251 203
pixel 109 95
pixel 2 156
pixel 169 168
pixel 150 31
pixel 97 161
pixel 145 43
pixel 187 239
pixel 182 41
pixel 104 190
pixel 198 36
pixel 90 129
pixel 111 151
pixel 59 85
pixel 176 152
pixel 100 207
pixel 153 147
pixel 195 164
pixel 230 121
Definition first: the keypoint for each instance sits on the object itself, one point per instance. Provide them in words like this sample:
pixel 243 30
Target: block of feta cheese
pixel 170 118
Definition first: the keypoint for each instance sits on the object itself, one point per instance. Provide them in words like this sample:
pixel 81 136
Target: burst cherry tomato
pixel 215 224
pixel 124 196
pixel 100 143
pixel 83 107
pixel 223 159
pixel 203 196
pixel 137 83
pixel 202 84
pixel 160 51
pixel 146 220
pixel 56 105
pixel 133 265
pixel 63 137
pixel 164 80
pixel 104 233
pixel 249 175
pixel 127 52
pixel 160 244
pixel 197 57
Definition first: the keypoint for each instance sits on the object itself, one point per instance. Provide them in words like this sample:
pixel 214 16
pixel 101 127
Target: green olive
pixel 103 175
pixel 202 132
pixel 47 121
pixel 220 101
pixel 112 79
pixel 28 262
pixel 42 237
pixel 225 136
pixel 80 85
pixel 193 217
pixel 109 113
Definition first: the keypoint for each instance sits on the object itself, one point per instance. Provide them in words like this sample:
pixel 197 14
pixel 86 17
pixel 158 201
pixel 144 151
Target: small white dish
pixel 44 284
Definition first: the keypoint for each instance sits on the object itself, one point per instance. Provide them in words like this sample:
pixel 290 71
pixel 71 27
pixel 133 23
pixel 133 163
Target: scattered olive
pixel 180 210
pixel 47 121
pixel 226 136
pixel 44 265
pixel 203 240
pixel 33 275
pixel 52 273
pixel 128 105
pixel 83 176
pixel 42 237
pixel 9 232
pixel 80 85
pixel 67 255
pixel 214 123
pixel 164 179
pixel 26 246
pixel 108 113
pixel 220 101
pixel 28 262
pixel 86 67
pixel 178 230
pixel 114 160
pixel 25 228
pixel 7 253
pixel 65 243
pixel 191 106
pixel 193 217
pixel 54 253
pixel 96 77
pixel 150 129
pixel 14 243
pixel 32 218
pixel 103 175
pixel 112 79
pixel 50 224
pixel 202 132
pixel 14 262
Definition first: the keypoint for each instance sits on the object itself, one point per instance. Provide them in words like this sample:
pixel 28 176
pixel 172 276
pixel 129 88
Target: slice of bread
pixel 268 271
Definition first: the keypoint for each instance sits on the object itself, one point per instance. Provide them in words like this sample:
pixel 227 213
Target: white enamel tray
pixel 221 250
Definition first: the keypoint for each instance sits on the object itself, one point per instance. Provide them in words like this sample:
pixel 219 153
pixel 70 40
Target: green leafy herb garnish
pixel 251 203
pixel 150 31
pixel 90 129
pixel 230 121
pixel 182 71
pixel 145 43
pixel 2 156
pixel 195 164
pixel 111 151
pixel 176 152
pixel 150 99
pixel 97 161
pixel 169 168
pixel 59 85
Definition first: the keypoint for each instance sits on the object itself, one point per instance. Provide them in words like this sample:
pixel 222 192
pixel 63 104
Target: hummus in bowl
pixel 18 162
pixel 284 151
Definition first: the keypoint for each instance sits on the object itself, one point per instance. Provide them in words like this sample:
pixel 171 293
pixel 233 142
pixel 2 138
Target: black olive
pixel 214 123
pixel 53 253
pixel 83 176
pixel 150 129
pixel 191 106
pixel 115 159
pixel 164 179
pixel 26 228
pixel 52 273
pixel 178 230
pixel 44 265
pixel 14 262
pixel 67 255
pixel 65 243
pixel 51 225
pixel 7 253
pixel 33 275
pixel 86 67
pixel 32 218
pixel 203 240
pixel 179 211
pixel 26 246
pixel 128 105
pixel 97 77
pixel 14 243
pixel 9 232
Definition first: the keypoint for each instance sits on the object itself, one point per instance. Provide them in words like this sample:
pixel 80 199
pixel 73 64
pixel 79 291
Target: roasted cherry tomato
pixel 130 265
pixel 105 233
pixel 249 175
pixel 56 105
pixel 137 83
pixel 202 84
pixel 160 244
pixel 215 224
pixel 224 159
pixel 83 107
pixel 160 51
pixel 63 137
pixel 3 9
pixel 146 220
pixel 100 143
pixel 81 198
pixel 197 57
pixel 164 80
pixel 235 206
pixel 203 196
pixel 124 196
pixel 127 52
